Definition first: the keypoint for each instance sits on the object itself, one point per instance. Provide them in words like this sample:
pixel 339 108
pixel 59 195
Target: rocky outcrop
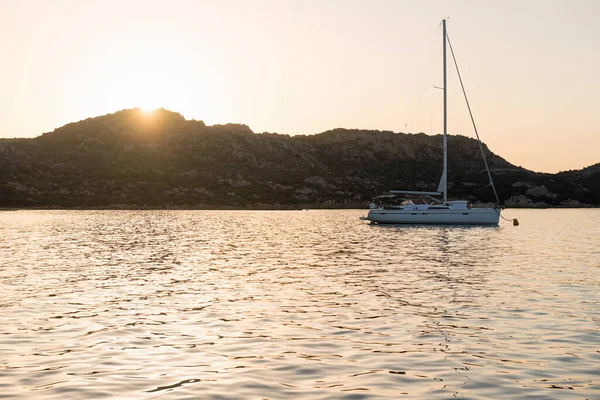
pixel 518 201
pixel 540 191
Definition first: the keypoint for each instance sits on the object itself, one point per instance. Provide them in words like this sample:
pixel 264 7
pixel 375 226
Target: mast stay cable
pixel 473 121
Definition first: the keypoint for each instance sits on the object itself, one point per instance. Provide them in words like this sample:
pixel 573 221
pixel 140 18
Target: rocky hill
pixel 132 159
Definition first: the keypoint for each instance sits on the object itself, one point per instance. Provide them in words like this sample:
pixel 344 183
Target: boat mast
pixel 444 174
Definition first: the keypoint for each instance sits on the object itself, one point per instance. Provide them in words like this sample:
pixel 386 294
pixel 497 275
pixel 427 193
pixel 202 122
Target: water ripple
pixel 257 304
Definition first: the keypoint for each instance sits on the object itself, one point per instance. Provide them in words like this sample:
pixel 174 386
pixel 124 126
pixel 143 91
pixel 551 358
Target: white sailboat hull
pixel 470 216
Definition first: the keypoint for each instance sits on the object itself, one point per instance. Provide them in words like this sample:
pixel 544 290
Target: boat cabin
pixel 395 202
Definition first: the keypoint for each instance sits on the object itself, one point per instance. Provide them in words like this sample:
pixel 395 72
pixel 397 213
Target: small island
pixel 136 159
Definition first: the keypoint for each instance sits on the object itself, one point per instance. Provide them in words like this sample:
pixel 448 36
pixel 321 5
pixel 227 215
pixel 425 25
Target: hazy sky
pixel 531 68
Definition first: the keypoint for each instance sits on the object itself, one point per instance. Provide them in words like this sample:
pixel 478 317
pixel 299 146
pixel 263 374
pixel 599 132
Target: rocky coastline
pixel 130 160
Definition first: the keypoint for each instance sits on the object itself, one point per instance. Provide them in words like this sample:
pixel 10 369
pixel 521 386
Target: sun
pixel 148 110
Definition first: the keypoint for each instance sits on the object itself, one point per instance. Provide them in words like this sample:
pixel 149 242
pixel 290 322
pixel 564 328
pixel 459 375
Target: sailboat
pixel 398 206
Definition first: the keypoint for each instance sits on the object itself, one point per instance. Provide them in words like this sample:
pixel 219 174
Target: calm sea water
pixel 297 304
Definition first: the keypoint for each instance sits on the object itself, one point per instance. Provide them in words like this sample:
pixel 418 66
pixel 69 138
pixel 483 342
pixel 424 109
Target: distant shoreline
pixel 126 161
pixel 122 207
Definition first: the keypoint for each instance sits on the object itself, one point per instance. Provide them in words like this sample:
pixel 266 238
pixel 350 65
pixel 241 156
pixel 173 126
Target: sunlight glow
pixel 148 110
